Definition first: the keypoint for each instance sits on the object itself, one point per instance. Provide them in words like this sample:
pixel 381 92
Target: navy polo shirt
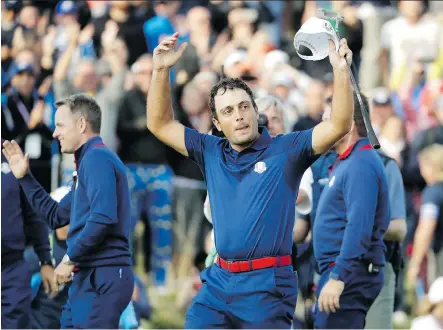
pixel 252 192
pixel 353 212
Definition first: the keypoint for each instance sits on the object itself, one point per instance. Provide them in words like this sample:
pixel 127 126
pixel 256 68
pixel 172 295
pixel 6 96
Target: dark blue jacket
pixel 20 225
pixel 97 208
pixel 353 212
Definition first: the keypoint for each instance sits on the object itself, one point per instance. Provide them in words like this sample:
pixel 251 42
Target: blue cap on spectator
pixel 66 7
pixel 12 4
pixel 19 68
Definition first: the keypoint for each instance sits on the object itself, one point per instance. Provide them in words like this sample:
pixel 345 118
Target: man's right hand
pixel 164 55
pixel 18 162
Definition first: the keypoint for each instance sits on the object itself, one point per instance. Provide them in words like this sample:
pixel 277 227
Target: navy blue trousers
pixel 98 297
pixel 264 298
pixel 16 295
pixel 361 289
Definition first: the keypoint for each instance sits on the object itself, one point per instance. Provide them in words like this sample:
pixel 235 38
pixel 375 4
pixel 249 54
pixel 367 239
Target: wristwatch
pixel 45 262
pixel 67 261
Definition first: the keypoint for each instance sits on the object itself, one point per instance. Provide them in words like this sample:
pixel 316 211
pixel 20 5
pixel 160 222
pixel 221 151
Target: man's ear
pixel 216 124
pixel 82 124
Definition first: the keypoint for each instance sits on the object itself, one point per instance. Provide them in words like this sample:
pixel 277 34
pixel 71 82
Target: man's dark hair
pixel 231 84
pixel 358 117
pixel 87 107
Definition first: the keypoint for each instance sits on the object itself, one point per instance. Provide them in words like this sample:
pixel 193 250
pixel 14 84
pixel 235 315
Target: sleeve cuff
pixel 340 272
pixel 45 257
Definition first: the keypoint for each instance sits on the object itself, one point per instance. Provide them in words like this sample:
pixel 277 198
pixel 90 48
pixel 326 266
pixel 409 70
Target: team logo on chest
pixel 260 167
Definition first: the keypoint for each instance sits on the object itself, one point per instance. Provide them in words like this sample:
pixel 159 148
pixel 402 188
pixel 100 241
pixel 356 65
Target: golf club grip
pixel 365 113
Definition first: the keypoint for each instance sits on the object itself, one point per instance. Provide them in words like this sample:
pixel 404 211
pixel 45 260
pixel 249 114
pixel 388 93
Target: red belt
pixel 254 264
pixel 75 269
pixel 331 264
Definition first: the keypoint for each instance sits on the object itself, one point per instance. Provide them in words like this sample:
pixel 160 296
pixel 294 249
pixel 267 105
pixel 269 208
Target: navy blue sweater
pixel 97 208
pixel 20 225
pixel 353 212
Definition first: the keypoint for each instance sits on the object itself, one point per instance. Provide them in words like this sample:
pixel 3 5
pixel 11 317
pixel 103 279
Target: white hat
pixel 235 57
pixel 435 293
pixel 314 35
pixel 282 79
pixel 275 57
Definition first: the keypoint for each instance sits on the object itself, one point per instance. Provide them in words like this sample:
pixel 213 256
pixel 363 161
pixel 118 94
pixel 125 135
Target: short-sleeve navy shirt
pixel 252 192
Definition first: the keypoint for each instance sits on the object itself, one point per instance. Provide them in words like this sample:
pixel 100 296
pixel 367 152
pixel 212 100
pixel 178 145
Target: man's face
pixel 314 100
pixel 236 116
pixel 24 82
pixel 29 17
pixel 143 75
pixel 68 129
pixel 86 78
pixel 275 121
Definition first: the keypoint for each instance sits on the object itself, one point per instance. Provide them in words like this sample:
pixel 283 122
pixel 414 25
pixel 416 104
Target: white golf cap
pixel 314 35
pixel 282 79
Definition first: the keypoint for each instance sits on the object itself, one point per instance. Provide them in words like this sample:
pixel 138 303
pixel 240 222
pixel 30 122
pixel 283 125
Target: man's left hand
pixel 48 280
pixel 329 300
pixel 63 273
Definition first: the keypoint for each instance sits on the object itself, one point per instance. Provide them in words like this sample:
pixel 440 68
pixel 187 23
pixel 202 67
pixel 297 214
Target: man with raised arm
pixel 253 183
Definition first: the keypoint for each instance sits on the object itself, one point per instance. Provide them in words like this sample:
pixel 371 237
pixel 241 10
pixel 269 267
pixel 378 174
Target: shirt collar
pixel 80 152
pixel 261 143
pixel 360 143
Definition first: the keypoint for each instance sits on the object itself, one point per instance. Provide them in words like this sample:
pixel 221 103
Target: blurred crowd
pixel 52 49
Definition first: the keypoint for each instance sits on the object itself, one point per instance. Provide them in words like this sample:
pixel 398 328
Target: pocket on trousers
pixel 285 282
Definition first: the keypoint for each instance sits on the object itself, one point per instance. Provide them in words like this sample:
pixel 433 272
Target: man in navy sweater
pixel 352 218
pixel 98 211
pixel 20 225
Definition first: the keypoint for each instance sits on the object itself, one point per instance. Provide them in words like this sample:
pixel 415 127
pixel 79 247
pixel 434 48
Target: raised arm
pixel 56 214
pixel 329 132
pixel 160 119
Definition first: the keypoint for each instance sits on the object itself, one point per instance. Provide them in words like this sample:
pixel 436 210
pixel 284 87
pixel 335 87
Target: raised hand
pixel 18 162
pixel 342 58
pixel 164 54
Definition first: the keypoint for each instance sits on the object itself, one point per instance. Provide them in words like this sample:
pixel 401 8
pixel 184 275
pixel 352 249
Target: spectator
pixel 23 120
pixel 430 226
pixel 149 173
pixel 403 36
pixel 85 80
pixel 314 107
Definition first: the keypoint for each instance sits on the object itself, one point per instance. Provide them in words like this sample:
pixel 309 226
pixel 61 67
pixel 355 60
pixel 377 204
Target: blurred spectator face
pixel 28 17
pixel 122 5
pixel 204 81
pixel 86 77
pixel 431 162
pixel 142 70
pixel 199 20
pixel 315 96
pixel 193 101
pixel 167 8
pixel 24 82
pixel 236 116
pixel 275 121
pixel 241 22
pixel 327 107
pixel 26 57
pixel 411 8
pixel 68 129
